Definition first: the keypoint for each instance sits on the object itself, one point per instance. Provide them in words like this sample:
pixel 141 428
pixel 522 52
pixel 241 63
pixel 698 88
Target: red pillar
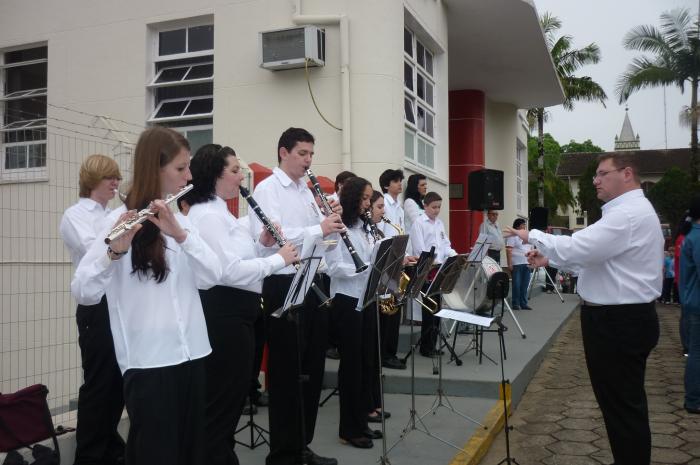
pixel 467 121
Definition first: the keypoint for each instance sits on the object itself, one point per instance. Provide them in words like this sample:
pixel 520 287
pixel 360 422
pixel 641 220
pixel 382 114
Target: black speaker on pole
pixel 539 218
pixel 486 190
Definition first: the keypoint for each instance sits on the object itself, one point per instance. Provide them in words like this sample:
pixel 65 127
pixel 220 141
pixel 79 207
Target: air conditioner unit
pixel 290 48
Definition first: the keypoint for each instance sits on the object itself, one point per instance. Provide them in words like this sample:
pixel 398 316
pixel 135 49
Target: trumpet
pixel 322 297
pixel 360 266
pixel 127 225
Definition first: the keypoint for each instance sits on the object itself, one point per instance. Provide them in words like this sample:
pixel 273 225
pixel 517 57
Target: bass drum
pixel 469 293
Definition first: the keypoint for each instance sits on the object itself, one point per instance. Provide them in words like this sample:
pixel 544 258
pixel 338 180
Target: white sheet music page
pixel 465 317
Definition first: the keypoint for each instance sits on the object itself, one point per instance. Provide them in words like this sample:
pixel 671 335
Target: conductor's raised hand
pixel 332 224
pixel 536 259
pixel 122 244
pixel 165 219
pixel 289 253
pixel 521 233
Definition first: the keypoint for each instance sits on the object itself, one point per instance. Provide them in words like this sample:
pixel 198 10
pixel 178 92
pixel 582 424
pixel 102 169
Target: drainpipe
pixel 342 20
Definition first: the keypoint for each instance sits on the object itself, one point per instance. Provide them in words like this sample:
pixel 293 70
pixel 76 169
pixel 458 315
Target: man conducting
pixel 618 262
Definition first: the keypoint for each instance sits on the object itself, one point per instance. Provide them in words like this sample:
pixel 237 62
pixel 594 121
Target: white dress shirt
pixel 395 214
pixel 290 204
pixel 411 213
pixel 518 249
pixel 233 243
pixel 341 268
pixel 153 324
pixel 79 227
pixel 616 258
pixel 493 230
pixel 427 233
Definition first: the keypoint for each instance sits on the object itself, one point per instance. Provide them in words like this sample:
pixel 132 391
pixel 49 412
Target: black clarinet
pixel 325 300
pixel 373 229
pixel 360 266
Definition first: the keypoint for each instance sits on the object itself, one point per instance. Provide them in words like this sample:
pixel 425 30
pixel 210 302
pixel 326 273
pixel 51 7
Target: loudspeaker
pixel 486 190
pixel 539 218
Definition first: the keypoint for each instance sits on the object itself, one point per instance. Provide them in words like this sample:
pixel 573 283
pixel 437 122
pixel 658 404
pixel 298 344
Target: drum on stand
pixel 469 294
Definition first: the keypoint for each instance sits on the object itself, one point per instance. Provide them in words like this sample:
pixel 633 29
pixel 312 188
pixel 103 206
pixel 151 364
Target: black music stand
pixel 386 268
pixel 312 252
pixel 257 432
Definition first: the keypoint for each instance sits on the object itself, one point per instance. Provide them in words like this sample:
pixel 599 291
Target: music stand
pixel 386 265
pixel 312 254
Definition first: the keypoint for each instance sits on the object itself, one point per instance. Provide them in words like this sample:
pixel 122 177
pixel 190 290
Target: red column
pixel 467 114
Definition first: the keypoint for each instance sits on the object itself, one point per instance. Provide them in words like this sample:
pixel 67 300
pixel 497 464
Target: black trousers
pixel 283 386
pixel 166 414
pixel 617 340
pixel 390 334
pixel 100 398
pixel 230 315
pixel 260 335
pixel 430 325
pixel 495 254
pixel 552 272
pixel 370 358
pixel 354 392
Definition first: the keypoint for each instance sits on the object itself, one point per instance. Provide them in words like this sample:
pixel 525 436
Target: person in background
pixel 682 231
pixel 690 290
pixel 668 293
pixel 100 398
pixel 491 228
pixel 151 276
pixel 234 304
pixel 429 231
pixel 516 252
pixel 390 182
pixel 416 188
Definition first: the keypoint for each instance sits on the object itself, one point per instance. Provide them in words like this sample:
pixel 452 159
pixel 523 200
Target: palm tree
pixel 576 88
pixel 676 61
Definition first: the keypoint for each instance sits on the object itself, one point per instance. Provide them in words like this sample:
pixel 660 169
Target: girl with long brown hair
pixel 150 277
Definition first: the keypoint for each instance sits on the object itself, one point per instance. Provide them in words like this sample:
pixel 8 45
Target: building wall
pixel 99 63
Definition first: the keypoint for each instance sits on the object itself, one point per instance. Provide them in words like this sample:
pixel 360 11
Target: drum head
pixel 469 293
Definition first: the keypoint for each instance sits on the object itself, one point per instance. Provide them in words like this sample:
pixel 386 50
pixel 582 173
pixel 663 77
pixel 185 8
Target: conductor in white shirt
pixel 617 260
pixel 286 199
pixel 100 398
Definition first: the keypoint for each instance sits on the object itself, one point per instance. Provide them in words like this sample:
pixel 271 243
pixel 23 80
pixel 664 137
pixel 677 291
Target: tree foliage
pixel 671 195
pixel 587 146
pixel 675 60
pixel 557 193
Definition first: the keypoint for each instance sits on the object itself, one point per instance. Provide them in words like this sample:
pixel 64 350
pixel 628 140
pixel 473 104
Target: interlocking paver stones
pixel 558 421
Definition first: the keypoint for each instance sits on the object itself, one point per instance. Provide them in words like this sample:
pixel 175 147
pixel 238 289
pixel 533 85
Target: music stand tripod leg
pixel 554 286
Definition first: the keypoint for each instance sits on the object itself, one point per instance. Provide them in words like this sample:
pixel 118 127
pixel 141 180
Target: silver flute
pixel 127 225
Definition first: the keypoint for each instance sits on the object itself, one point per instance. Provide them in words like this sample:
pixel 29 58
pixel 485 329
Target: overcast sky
pixel 605 22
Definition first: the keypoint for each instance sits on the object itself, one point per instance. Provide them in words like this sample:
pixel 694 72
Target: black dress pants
pixel 166 414
pixel 353 387
pixel 260 334
pixel 283 368
pixel 390 334
pixel 617 340
pixel 230 314
pixel 430 325
pixel 100 398
pixel 370 358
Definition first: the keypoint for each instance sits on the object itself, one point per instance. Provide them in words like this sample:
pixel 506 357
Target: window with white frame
pixel 182 87
pixel 419 101
pixel 23 74
pixel 520 173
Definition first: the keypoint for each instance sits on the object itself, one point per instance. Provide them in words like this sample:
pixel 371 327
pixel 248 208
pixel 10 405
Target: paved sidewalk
pixel 558 421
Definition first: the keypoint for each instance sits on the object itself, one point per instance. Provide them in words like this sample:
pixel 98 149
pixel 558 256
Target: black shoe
pixel 526 307
pixel 394 363
pixel 247 408
pixel 263 400
pixel 694 411
pixel 313 459
pixel 372 433
pixel 378 417
pixel 360 443
pixel 333 353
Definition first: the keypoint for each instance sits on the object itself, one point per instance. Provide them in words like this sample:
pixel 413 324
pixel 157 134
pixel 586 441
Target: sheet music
pixel 311 255
pixel 465 317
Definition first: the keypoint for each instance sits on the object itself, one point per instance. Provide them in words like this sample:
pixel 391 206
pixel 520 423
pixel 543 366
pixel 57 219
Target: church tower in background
pixel 626 140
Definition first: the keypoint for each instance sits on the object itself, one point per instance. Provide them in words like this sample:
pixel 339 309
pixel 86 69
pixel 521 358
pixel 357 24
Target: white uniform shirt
pixel 411 213
pixel 79 227
pixel 427 233
pixel 494 233
pixel 153 324
pixel 518 250
pixel 232 242
pixel 395 214
pixel 290 204
pixel 616 258
pixel 341 268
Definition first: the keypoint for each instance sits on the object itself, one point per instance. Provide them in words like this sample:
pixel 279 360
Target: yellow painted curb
pixel 480 442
